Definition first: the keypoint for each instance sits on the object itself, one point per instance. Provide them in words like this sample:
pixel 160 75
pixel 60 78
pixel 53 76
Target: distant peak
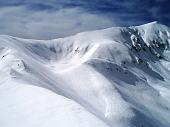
pixel 152 23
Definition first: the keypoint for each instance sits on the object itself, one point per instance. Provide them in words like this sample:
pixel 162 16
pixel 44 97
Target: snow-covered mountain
pixel 116 77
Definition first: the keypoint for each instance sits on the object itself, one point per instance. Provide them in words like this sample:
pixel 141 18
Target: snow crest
pixel 113 77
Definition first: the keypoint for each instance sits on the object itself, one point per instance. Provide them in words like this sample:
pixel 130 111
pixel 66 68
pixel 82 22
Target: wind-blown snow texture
pixel 116 77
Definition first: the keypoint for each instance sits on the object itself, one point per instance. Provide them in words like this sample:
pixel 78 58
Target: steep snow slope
pixel 113 77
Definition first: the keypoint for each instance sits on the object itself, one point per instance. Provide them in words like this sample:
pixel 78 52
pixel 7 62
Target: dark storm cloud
pixel 133 11
pixel 57 18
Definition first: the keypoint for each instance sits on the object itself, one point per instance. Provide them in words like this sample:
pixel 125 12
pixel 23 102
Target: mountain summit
pixel 115 77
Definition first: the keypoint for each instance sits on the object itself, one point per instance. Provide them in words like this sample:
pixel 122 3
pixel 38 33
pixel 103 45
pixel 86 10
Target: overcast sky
pixel 46 19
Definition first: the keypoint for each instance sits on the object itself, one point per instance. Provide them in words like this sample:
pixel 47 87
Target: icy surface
pixel 116 77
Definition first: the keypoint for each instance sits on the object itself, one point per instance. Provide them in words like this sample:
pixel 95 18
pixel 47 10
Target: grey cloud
pixel 59 18
pixel 21 22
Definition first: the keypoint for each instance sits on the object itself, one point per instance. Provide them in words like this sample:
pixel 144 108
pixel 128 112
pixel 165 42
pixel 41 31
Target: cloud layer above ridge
pixel 58 18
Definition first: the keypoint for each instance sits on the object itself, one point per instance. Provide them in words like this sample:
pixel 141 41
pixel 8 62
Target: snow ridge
pixel 112 77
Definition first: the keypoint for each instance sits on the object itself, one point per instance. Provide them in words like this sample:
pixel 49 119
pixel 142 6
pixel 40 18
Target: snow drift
pixel 116 77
